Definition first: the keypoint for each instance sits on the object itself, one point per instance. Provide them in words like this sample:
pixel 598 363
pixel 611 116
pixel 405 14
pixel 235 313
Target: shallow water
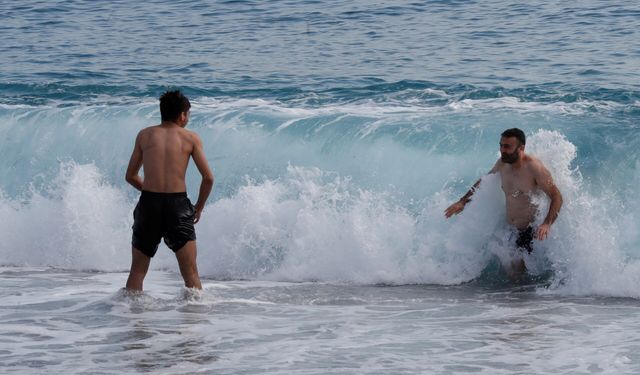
pixel 78 322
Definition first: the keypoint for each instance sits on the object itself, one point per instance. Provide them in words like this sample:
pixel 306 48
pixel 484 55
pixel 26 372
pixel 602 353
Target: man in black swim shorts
pixel 525 240
pixel 164 211
pixel 158 215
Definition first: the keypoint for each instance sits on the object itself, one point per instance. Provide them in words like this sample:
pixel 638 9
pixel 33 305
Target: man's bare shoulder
pixel 538 170
pixel 142 134
pixel 534 163
pixel 148 130
pixel 192 136
pixel 497 167
pixel 184 134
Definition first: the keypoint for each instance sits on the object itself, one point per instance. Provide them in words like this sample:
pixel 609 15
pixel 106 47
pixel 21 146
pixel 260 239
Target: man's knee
pixel 187 254
pixel 187 251
pixel 139 261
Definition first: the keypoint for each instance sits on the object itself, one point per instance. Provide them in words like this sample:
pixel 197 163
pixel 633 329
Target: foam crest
pixel 389 106
pixel 516 104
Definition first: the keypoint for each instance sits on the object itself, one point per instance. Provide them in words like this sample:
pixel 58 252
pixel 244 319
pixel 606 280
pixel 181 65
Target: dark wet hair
pixel 515 132
pixel 172 104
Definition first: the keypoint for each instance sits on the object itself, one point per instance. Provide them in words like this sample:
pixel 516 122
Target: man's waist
pixel 147 193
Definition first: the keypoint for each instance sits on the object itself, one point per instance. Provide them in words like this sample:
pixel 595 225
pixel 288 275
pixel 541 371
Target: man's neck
pixel 170 124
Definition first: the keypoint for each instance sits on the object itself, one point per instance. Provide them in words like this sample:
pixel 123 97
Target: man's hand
pixel 543 231
pixel 454 209
pixel 196 216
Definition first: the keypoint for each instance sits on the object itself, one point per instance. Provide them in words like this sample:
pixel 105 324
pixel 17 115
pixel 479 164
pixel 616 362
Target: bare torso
pixel 518 185
pixel 165 157
pixel 522 176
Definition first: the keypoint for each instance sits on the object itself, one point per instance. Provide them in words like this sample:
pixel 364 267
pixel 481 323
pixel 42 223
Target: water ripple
pixel 311 43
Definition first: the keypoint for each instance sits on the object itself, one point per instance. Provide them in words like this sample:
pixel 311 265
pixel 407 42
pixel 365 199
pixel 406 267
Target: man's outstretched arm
pixel 458 206
pixel 135 163
pixel 207 176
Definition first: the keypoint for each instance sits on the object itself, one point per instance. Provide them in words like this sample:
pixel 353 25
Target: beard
pixel 510 158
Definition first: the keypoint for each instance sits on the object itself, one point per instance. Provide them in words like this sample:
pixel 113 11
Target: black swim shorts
pixel 525 239
pixel 158 215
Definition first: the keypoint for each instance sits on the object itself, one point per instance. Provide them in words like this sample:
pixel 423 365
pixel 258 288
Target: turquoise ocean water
pixel 338 133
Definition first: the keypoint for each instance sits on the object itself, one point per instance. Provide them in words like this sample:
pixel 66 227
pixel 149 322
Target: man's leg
pixel 188 268
pixel 139 267
pixel 524 242
pixel 518 269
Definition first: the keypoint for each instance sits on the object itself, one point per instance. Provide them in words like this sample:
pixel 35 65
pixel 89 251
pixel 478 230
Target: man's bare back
pixel 163 152
pixel 165 156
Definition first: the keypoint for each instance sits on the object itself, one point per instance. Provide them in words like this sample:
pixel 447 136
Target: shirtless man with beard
pixel 522 176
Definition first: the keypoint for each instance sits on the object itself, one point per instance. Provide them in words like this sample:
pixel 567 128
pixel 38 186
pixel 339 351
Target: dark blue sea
pixel 338 133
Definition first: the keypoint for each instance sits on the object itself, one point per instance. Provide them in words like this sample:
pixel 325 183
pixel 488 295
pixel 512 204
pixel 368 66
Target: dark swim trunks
pixel 158 215
pixel 525 239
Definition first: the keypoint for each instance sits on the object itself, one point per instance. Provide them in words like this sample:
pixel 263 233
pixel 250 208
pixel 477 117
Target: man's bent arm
pixel 206 186
pixel 207 176
pixel 554 206
pixel 545 181
pixel 135 163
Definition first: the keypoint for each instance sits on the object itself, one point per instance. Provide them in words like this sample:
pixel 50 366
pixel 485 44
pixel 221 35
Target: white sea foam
pixel 79 223
pixel 589 247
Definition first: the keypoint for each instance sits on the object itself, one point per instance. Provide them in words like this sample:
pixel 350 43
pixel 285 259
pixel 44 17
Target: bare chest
pixel 517 183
